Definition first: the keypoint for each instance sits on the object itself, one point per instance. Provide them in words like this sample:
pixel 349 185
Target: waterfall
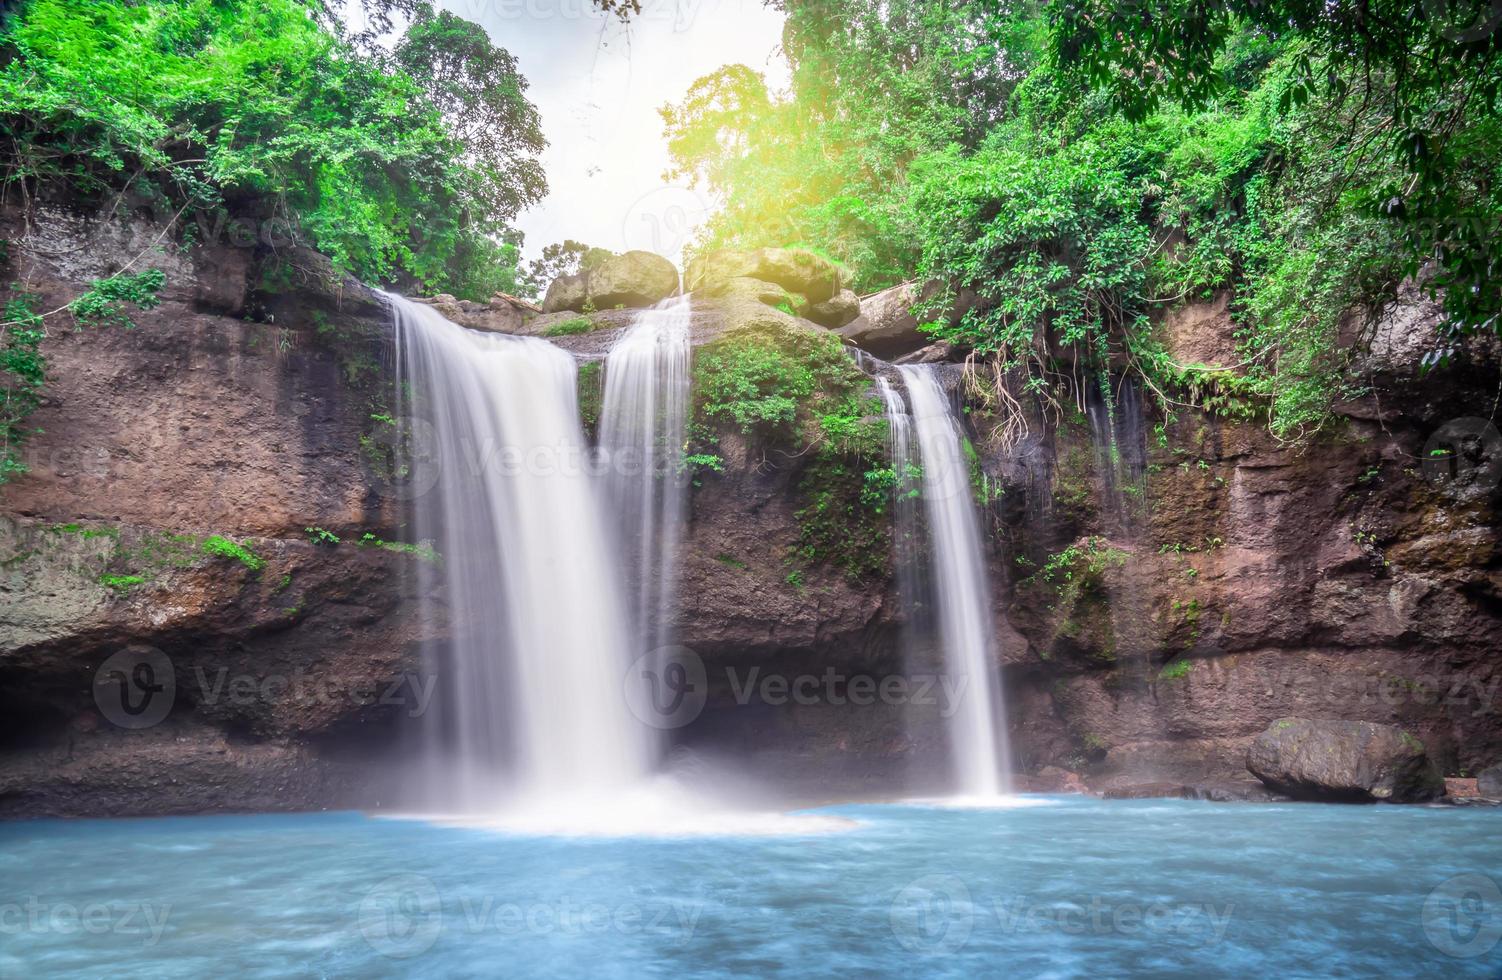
pixel 906 544
pixel 641 438
pixel 977 729
pixel 531 682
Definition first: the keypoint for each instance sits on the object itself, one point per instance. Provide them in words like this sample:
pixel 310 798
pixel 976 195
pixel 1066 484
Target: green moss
pixel 730 561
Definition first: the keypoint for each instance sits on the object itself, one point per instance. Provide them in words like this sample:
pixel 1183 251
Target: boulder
pixel 1343 761
pixel 503 314
pixel 745 288
pixel 1489 782
pixel 837 311
pixel 887 326
pixel 567 293
pixel 633 280
pixel 795 269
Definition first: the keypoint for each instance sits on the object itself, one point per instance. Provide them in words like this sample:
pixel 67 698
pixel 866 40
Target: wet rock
pixel 1489 782
pixel 1350 761
pixel 1149 791
pixel 1052 779
pixel 1461 789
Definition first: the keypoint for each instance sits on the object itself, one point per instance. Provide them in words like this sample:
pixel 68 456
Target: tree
pixel 481 95
pixel 1419 79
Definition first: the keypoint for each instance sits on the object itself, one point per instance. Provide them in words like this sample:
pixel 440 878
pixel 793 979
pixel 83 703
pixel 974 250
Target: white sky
pixel 598 85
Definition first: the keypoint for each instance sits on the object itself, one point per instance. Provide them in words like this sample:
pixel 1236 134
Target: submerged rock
pixel 1343 761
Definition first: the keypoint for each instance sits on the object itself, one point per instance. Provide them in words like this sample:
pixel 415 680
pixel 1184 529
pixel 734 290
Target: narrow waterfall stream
pixel 977 729
pixel 642 420
pixel 534 712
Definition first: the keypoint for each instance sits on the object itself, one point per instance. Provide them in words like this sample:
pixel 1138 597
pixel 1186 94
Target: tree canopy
pixel 409 163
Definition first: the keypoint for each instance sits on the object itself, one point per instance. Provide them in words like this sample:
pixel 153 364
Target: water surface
pixel 1071 887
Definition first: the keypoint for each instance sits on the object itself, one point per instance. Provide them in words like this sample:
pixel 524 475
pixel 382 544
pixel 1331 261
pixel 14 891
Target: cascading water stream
pixel 977 728
pixel 532 709
pixel 642 420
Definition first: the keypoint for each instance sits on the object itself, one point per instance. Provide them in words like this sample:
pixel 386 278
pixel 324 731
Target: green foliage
pixel 873 85
pixel 771 382
pixel 403 161
pixel 591 382
pixel 423 550
pixel 1082 172
pixel 318 535
pixel 1079 568
pixel 698 464
pixel 579 324
pixel 120 583
pixel 1414 85
pixel 22 373
pixel 104 302
pixel 222 547
pixel 1177 670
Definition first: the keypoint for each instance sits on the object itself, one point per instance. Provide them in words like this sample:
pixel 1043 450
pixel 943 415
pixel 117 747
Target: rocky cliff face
pixel 1235 580
pixel 1222 580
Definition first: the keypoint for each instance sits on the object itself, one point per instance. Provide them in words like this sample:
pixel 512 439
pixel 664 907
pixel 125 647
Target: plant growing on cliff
pixel 104 304
pixel 22 365
pixel 222 547
pixel 22 373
